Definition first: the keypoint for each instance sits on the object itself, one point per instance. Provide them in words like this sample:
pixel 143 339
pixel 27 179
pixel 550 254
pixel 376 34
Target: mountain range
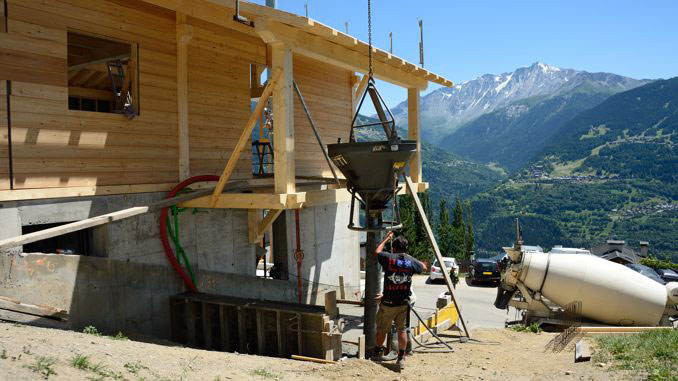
pixel 508 118
pixel 610 172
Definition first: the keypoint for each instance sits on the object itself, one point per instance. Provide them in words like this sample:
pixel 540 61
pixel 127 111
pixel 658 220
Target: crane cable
pixel 369 37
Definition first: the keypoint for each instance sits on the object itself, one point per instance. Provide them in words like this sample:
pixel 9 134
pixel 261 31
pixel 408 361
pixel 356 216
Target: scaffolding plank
pixel 206 326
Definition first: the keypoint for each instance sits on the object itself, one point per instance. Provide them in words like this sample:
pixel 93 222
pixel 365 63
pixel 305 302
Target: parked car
pixel 484 270
pixel 437 273
pixel 647 271
pixel 668 275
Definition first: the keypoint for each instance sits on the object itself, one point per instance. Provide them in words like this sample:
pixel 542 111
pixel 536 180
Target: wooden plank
pixel 361 347
pixel 249 201
pixel 242 331
pixel 38 321
pixel 191 340
pixel 245 137
pixel 261 333
pixel 206 326
pixel 95 221
pixel 225 329
pixel 38 310
pixel 436 250
pixel 342 290
pixel 283 109
pixel 312 359
pixel 280 325
pixel 414 133
pixel 582 352
pixel 184 33
pixel 300 345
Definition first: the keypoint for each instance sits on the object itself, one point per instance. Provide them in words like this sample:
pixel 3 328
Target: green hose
pixel 174 236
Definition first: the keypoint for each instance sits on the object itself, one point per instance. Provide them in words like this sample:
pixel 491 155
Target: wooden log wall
pixel 327 92
pixel 57 147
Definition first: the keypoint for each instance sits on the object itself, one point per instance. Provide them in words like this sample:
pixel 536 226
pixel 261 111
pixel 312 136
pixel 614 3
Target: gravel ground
pixel 503 355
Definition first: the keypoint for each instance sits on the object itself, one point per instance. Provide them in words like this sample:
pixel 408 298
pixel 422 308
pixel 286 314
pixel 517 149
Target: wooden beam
pixel 184 33
pixel 359 92
pixel 414 132
pixel 432 240
pixel 96 221
pixel 265 223
pixel 249 201
pixel 283 109
pixel 330 53
pixel 38 310
pixel 245 137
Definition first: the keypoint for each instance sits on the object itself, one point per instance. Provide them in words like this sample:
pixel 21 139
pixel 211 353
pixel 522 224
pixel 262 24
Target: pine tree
pixel 458 232
pixel 470 234
pixel 444 229
pixel 425 251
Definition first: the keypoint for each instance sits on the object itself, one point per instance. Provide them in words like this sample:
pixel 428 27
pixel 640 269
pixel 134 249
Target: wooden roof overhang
pixel 307 37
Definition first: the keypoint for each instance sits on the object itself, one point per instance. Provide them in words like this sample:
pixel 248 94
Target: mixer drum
pixel 609 292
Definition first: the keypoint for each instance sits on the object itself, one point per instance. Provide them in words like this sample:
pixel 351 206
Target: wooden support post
pixel 258 226
pixel 206 326
pixel 280 325
pixel 245 137
pixel 261 333
pixel 414 132
pixel 342 290
pixel 283 109
pixel 331 304
pixel 184 34
pixel 225 329
pixel 361 347
pixel 359 92
pixel 436 250
pixel 242 332
pixel 300 346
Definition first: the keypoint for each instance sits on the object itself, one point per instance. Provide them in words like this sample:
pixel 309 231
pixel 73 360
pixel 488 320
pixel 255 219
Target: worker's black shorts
pixel 387 314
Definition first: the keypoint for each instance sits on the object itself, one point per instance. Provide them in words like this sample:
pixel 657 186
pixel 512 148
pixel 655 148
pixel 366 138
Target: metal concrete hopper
pixel 371 168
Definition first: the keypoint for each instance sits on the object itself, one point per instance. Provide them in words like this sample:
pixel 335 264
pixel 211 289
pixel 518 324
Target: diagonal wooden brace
pixel 244 138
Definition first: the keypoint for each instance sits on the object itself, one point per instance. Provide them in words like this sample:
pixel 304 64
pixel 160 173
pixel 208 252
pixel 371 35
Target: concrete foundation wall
pixel 125 282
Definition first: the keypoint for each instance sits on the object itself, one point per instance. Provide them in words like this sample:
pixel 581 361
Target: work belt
pixel 395 303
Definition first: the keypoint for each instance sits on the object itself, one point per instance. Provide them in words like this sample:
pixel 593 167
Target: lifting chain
pixel 369 36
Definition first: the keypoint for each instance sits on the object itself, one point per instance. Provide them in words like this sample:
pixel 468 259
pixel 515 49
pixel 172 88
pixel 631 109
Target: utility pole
pixel 421 42
pixel 390 36
pixel 346 26
pixel 306 8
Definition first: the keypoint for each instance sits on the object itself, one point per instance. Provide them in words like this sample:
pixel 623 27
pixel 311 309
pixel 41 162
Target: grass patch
pixel 654 353
pixel 43 366
pixel 261 372
pixel 534 328
pixel 91 330
pixel 134 367
pixel 120 336
pixel 80 361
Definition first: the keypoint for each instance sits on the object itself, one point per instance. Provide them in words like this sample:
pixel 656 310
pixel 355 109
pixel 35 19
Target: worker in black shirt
pixel 398 269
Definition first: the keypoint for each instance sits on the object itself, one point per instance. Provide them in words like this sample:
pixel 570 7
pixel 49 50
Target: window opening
pixel 102 75
pixel 75 243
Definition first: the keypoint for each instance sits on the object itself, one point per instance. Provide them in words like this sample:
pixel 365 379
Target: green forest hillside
pixel 611 172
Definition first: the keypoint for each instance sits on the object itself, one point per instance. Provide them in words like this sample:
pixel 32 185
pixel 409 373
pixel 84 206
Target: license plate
pixel 487 273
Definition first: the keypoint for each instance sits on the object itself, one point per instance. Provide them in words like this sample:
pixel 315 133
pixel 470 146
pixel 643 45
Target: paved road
pixel 475 302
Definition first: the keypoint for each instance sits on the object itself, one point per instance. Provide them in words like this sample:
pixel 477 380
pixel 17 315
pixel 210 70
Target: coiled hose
pixel 169 252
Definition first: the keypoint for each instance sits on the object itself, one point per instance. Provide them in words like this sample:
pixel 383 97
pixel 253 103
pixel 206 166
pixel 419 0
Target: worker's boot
pixel 400 363
pixel 378 354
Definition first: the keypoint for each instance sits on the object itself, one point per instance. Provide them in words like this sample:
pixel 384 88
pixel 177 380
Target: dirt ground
pixel 504 355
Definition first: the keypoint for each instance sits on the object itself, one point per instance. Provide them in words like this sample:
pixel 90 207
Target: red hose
pixel 169 252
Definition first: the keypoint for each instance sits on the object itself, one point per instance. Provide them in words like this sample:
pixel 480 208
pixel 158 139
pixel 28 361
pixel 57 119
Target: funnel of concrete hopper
pixel 369 167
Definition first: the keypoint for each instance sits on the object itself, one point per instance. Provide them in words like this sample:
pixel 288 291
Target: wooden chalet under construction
pixel 107 105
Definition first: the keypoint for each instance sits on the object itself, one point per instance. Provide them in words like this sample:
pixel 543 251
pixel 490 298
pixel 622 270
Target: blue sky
pixel 465 39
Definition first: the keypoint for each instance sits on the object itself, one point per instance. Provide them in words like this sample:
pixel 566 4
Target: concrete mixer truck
pixel 542 284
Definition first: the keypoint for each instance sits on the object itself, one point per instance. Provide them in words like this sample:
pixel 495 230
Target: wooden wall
pixel 327 92
pixel 219 95
pixel 57 147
